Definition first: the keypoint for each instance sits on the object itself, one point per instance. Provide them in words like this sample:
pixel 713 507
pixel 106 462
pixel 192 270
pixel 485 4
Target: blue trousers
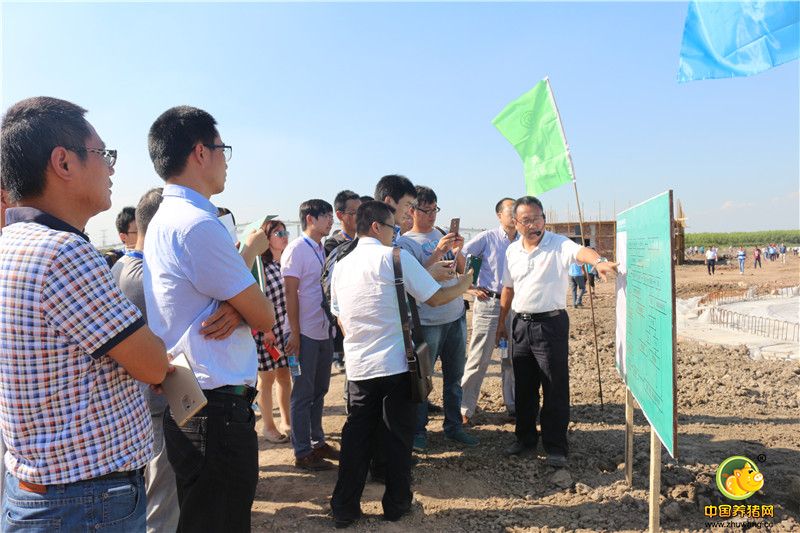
pixel 448 341
pixel 117 504
pixel 308 394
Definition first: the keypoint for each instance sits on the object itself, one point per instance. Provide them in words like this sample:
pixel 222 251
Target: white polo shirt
pixel 364 298
pixel 540 278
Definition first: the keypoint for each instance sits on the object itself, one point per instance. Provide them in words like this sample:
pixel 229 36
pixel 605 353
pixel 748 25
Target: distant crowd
pixel 771 252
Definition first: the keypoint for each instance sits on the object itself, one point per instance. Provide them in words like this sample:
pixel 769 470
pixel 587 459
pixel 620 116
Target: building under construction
pixel 599 234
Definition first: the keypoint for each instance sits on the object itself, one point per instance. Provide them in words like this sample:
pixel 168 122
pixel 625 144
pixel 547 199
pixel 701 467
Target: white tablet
pixel 182 390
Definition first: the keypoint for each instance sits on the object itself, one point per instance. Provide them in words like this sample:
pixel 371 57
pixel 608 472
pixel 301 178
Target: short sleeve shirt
pixel 491 246
pixel 68 411
pixel 540 277
pixel 303 259
pixel 421 246
pixel 364 297
pixel 191 265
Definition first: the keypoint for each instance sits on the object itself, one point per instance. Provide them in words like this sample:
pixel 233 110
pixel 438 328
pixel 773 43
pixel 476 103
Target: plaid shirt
pixel 68 412
pixel 273 288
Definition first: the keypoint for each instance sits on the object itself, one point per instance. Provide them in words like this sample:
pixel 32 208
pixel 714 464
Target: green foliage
pixel 744 238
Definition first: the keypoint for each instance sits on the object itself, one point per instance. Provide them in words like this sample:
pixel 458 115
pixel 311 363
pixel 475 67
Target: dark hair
pixel 174 135
pixel 124 219
pixel 395 187
pixel 528 200
pixel 222 211
pixel 499 205
pixel 269 226
pixel 31 129
pixel 425 195
pixel 147 207
pixel 340 202
pixel 366 198
pixel 315 208
pixel 111 257
pixel 370 212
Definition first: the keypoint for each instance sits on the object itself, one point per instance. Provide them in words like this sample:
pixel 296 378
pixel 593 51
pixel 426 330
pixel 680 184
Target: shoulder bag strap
pixel 401 301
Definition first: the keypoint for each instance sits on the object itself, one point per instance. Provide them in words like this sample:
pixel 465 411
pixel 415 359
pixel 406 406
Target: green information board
pixel 646 312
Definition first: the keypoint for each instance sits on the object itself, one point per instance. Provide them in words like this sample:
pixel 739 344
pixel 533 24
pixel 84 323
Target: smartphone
pixel 474 262
pixel 454 225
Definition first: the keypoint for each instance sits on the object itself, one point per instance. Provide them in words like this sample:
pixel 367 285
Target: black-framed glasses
pixel 226 150
pixel 385 224
pixel 109 156
pixel 429 211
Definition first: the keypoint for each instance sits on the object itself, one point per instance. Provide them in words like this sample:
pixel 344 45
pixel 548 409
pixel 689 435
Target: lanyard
pixel 135 254
pixel 346 236
pixel 316 253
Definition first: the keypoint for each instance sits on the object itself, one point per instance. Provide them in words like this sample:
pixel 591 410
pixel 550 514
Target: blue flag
pixel 729 39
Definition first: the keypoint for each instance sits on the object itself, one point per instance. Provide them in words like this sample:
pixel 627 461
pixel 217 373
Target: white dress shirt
pixel 364 298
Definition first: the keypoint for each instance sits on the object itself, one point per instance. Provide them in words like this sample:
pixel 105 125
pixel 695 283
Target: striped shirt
pixel 68 411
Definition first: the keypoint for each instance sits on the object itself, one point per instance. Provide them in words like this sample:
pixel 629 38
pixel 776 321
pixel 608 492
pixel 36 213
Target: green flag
pixel 532 125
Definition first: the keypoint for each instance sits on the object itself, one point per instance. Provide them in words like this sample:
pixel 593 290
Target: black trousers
pixel 383 403
pixel 540 360
pixel 215 458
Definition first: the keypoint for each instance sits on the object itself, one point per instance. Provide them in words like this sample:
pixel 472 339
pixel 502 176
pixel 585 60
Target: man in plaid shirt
pixel 75 425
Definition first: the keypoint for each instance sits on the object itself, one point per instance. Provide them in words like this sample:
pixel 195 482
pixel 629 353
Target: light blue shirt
pixel 575 269
pixel 491 246
pixel 191 266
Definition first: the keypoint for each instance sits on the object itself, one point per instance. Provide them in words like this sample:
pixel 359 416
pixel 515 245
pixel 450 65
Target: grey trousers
pixel 479 354
pixel 159 484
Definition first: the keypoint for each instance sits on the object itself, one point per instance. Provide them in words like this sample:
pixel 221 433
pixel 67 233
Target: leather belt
pixel 121 474
pixel 533 317
pixel 243 391
pixel 493 294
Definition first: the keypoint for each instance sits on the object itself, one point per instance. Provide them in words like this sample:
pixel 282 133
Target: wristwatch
pixel 600 260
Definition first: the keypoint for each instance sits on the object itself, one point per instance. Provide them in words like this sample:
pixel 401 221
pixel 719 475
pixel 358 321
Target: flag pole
pixel 583 241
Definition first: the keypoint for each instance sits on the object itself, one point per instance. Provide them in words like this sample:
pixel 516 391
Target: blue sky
pixel 320 97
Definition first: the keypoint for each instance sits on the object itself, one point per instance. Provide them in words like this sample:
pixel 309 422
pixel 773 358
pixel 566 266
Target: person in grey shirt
pixel 444 328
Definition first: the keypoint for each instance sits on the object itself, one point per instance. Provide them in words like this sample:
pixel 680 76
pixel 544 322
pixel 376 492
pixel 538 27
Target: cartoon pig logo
pixel 738 478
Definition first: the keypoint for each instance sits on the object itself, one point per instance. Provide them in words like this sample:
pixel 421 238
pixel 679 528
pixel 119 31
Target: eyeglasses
pixel 530 222
pixel 227 150
pixel 281 233
pixel 385 224
pixel 351 213
pixel 428 211
pixel 109 156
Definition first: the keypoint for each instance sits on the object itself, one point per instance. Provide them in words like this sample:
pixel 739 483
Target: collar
pixel 31 214
pixel 191 196
pixel 544 243
pixel 369 241
pixel 501 231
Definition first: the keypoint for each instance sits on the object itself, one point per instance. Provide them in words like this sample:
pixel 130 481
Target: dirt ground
pixel 727 405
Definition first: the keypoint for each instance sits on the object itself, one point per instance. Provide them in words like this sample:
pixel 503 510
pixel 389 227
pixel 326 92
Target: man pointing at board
pixel 535 287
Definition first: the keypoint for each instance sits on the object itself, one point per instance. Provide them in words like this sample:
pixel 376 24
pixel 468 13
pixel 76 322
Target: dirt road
pixel 727 404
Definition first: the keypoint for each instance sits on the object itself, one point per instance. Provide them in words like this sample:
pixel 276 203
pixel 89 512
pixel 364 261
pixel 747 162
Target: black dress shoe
pixel 394 517
pixel 519 448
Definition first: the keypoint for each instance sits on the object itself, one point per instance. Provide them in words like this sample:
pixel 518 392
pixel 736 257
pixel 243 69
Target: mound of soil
pixel 727 405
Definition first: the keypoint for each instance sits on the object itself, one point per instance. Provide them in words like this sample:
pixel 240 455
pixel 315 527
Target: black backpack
pixel 327 270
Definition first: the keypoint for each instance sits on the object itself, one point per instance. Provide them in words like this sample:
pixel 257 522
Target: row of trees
pixel 744 238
